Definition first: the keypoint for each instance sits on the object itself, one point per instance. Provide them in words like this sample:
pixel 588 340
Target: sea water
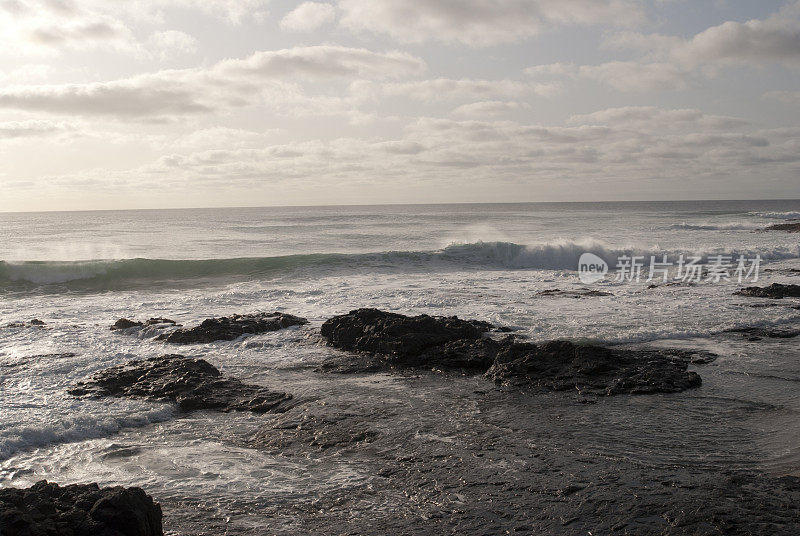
pixel 80 271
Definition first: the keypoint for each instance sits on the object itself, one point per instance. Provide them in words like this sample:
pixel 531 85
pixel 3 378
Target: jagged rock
pixel 124 323
pixel 788 227
pixel 563 365
pixel 191 383
pixel 228 328
pixel 580 293
pixel 47 509
pixel 372 330
pixel 774 291
pixel 389 340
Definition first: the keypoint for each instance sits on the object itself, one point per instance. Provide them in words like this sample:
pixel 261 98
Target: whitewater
pixel 79 272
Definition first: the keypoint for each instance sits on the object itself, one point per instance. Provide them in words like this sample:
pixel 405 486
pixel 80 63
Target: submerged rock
pixel 34 323
pixel 563 365
pixel 47 509
pixel 124 323
pixel 228 328
pixel 774 291
pixel 793 227
pixel 191 383
pixel 580 293
pixel 307 431
pixel 757 333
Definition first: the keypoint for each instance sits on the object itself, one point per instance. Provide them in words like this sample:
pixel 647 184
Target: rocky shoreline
pixel 464 484
pixel 47 509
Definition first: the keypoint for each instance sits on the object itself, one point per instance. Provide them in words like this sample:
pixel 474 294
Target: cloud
pixel 170 43
pixel 786 97
pixel 52 26
pixel 31 129
pixel 323 62
pixel 646 117
pixel 444 89
pixel 228 84
pixel 480 22
pixel 308 16
pixel 49 27
pixel 675 63
pixel 622 146
pixel 490 108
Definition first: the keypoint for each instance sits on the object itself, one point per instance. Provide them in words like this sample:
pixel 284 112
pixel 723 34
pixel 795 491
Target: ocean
pixel 78 272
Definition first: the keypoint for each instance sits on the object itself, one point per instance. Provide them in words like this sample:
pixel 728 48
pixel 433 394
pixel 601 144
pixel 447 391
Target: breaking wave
pixel 777 215
pixel 127 273
pixel 716 227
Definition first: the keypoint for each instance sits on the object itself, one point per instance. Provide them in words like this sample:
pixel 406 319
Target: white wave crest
pixel 75 428
pixel 564 254
pixel 791 215
pixel 733 226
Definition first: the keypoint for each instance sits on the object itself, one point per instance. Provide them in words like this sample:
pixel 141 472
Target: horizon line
pixel 226 207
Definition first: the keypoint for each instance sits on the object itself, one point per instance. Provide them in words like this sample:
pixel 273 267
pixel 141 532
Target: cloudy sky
pixel 181 103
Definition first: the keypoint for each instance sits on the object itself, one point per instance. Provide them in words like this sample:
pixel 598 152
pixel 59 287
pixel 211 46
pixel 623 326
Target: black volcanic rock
pixel 389 341
pixel 372 330
pixel 191 383
pixel 47 509
pixel 563 365
pixel 33 323
pixel 228 328
pixel 774 291
pixel 124 323
pixel 466 355
pixel 758 333
pixel 793 227
pixel 579 293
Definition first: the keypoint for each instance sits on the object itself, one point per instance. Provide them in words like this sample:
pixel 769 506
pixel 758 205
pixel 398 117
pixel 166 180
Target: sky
pixel 106 104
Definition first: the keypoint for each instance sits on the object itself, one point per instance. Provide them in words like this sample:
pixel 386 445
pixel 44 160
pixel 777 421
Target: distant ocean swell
pixel 113 274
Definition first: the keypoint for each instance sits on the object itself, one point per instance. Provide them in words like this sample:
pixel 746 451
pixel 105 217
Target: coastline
pixel 426 452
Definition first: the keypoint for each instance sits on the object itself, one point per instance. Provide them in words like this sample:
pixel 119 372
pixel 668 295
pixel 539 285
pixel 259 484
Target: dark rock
pixel 371 330
pixel 774 291
pixel 757 333
pixel 20 324
pixel 192 383
pixel 580 293
pixel 563 365
pixel 228 328
pixel 124 323
pixel 467 355
pixel 694 357
pixel 47 509
pixel 390 341
pixel 788 227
